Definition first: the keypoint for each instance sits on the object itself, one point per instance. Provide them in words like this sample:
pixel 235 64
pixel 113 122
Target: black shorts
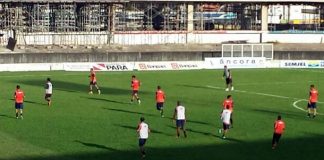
pixel 48 96
pixel 226 126
pixel 19 105
pixel 311 105
pixel 275 138
pixel 180 123
pixel 228 80
pixel 93 82
pixel 159 105
pixel 141 142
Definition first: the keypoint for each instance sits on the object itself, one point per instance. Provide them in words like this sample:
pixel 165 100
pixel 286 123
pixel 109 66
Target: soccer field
pixel 81 126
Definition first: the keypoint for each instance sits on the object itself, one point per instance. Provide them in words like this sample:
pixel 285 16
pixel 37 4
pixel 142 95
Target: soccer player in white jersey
pixel 143 130
pixel 226 119
pixel 48 91
pixel 180 117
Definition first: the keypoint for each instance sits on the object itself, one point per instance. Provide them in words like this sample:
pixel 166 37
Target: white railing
pixel 248 50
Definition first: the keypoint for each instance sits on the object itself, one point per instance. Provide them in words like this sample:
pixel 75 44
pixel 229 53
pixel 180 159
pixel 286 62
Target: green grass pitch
pixel 79 126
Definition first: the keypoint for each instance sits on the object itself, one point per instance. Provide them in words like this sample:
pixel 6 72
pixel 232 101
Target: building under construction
pixel 99 22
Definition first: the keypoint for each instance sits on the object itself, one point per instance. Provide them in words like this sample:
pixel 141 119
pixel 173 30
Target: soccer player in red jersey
pixel 19 101
pixel 93 81
pixel 229 102
pixel 135 84
pixel 160 98
pixel 313 96
pixel 279 127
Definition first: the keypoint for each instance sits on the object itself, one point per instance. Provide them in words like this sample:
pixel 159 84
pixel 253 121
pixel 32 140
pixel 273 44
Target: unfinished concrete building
pixel 103 22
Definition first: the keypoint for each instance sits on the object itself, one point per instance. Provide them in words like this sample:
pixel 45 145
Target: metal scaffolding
pixel 74 19
pixel 225 16
pixel 150 16
pixel 93 17
pixel 54 17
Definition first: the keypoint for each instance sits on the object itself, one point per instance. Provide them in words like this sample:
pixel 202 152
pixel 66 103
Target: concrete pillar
pixel 190 24
pixel 112 14
pixel 264 17
pixel 190 17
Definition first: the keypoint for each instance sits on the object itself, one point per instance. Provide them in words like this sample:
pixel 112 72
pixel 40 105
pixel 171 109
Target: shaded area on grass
pixel 153 130
pixel 309 148
pixel 299 116
pixel 105 100
pixel 76 87
pixel 208 134
pixel 152 115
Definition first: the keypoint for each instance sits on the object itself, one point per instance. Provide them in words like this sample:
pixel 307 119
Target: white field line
pixel 297 107
pixel 271 95
pixel 257 93
pixel 268 83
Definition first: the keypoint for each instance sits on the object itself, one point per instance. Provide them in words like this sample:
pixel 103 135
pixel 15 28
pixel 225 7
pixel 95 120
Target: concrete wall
pixel 149 38
pixel 138 56
pixel 98 57
pixel 302 55
pixel 170 37
pixel 293 38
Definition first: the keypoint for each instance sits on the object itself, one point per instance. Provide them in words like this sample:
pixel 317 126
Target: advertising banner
pixel 108 66
pixel 322 64
pixel 169 65
pixel 293 64
pixel 313 64
pixel 129 66
pixel 235 62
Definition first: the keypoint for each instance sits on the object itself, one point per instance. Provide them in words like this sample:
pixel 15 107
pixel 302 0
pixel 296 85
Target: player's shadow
pixel 3 115
pixel 33 102
pixel 75 87
pixel 193 86
pixel 229 139
pixel 134 128
pixel 195 131
pixel 131 112
pixel 198 122
pixel 95 145
pixel 209 134
pixel 105 100
pixel 200 132
pixel 30 102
